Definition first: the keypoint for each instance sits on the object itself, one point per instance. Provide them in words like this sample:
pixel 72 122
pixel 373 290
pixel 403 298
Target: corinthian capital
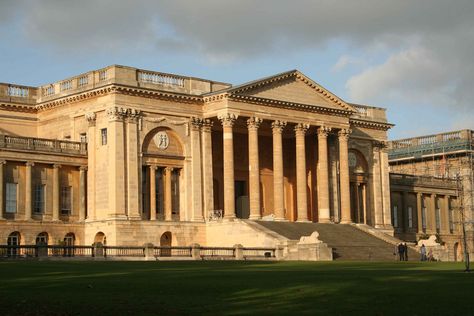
pixel 301 128
pixel 91 118
pixel 228 119
pixel 133 115
pixel 207 125
pixel 116 113
pixel 278 126
pixel 196 123
pixel 344 133
pixel 324 131
pixel 254 122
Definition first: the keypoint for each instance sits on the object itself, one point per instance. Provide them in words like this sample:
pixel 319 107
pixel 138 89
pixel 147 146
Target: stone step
pixel 348 242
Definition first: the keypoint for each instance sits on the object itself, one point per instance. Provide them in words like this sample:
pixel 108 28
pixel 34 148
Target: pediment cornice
pixel 371 124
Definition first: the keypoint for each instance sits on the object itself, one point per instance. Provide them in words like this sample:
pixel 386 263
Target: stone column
pixel 56 185
pixel 133 168
pixel 91 151
pixel 404 211
pixel 28 189
pixel 253 124
pixel 278 181
pixel 323 177
pixel 207 167
pixel 116 163
pixel 196 124
pixel 343 138
pixel 419 206
pixel 2 190
pixel 355 188
pixel 152 192
pixel 301 185
pixel 82 192
pixel 228 121
pixel 168 198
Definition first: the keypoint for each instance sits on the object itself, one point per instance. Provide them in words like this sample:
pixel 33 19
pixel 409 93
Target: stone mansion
pixel 127 156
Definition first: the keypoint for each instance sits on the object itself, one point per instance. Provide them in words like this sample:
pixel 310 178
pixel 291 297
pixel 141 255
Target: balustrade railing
pixel 164 251
pixel 15 91
pixel 159 78
pixel 43 144
pixel 197 253
pixel 217 252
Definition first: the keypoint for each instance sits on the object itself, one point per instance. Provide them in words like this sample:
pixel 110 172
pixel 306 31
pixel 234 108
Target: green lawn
pixel 234 288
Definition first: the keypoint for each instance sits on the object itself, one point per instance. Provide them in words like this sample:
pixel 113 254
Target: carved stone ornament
pixel 161 140
pixel 352 159
pixel 207 125
pixel 324 131
pixel 344 133
pixel 254 122
pixel 91 118
pixel 278 126
pixel 301 128
pixel 227 119
pixel 116 113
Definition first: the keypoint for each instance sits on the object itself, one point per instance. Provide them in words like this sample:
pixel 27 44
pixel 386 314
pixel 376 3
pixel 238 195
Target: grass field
pixel 234 288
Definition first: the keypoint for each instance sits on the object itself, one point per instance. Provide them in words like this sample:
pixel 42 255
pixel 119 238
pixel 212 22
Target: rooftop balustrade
pixel 369 113
pixel 412 180
pixel 417 147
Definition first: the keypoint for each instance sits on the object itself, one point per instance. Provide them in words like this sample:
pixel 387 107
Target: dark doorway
pixel 242 209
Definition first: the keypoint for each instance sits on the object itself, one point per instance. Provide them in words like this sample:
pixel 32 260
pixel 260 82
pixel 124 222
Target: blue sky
pixel 412 57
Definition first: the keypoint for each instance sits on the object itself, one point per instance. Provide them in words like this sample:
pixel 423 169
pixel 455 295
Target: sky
pixel 414 58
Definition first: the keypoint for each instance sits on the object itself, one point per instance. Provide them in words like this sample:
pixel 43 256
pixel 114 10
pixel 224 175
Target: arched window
pixel 165 241
pixel 13 240
pixel 100 238
pixel 42 238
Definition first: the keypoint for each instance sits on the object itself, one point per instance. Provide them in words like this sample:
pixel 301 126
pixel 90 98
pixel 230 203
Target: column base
pixel 229 218
pixel 303 220
pixel 117 217
pixel 135 218
pixel 281 219
pixel 346 222
pixel 255 217
pixel 325 221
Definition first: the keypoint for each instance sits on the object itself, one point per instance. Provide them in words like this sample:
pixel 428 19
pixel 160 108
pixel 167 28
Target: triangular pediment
pixel 291 87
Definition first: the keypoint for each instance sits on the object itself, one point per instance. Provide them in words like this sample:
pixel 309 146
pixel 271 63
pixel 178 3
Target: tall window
pixel 66 200
pixel 83 137
pixel 175 190
pixel 159 192
pixel 438 219
pixel 451 216
pixel 10 197
pixel 423 218
pixel 38 205
pixel 103 135
pixel 410 217
pixel 395 216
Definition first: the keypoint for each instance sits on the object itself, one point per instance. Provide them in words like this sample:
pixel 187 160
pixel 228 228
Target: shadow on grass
pixel 233 288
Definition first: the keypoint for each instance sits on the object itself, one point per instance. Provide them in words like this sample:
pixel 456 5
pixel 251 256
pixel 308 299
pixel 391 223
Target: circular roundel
pixel 352 160
pixel 161 140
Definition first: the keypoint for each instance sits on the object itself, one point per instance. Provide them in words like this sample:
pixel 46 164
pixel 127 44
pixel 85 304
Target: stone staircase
pixel 348 241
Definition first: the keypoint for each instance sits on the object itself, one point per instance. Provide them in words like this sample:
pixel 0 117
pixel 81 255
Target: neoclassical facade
pixel 129 156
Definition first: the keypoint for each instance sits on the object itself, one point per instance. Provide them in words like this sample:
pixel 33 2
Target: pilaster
pixel 56 185
pixel 116 162
pixel 28 189
pixel 91 163
pixel 133 169
pixel 377 187
pixel 168 197
pixel 208 186
pixel 196 124
pixel 82 192
pixel 152 192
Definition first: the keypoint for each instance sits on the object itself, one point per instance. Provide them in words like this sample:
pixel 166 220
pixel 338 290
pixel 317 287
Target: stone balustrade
pixel 412 180
pixel 369 113
pixel 43 145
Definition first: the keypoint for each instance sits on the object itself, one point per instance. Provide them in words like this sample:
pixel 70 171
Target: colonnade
pixel 300 129
pixel 167 189
pixel 28 190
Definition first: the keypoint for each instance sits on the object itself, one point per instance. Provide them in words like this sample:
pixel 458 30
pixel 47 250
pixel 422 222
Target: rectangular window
pixel 83 137
pixel 38 205
pixel 410 217
pixel 65 200
pixel 103 135
pixel 10 197
pixel 423 218
pixel 395 216
pixel 451 220
pixel 175 191
pixel 438 219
